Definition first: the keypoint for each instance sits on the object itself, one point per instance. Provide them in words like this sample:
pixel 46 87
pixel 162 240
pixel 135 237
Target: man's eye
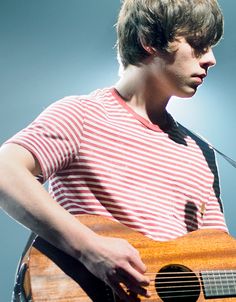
pixel 200 51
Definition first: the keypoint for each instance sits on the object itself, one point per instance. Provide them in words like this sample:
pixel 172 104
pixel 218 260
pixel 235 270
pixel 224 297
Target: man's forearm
pixel 26 200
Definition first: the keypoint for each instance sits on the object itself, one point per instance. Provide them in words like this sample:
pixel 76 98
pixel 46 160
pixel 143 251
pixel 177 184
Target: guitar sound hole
pixel 177 283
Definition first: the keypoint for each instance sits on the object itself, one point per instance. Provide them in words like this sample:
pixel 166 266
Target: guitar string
pixel 209 274
pixel 191 281
pixel 190 294
pixel 222 276
pixel 216 287
pixel 217 279
pixel 213 272
pixel 174 290
pixel 178 296
pixel 170 292
pixel 205 283
pixel 229 282
pixel 216 282
pixel 195 283
pixel 192 286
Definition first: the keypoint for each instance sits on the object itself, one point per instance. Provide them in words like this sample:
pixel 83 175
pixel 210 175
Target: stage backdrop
pixel 54 48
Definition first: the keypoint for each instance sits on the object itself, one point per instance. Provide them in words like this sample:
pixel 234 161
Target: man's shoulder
pixel 98 96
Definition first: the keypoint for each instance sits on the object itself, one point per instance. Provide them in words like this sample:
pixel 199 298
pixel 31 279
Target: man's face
pixel 183 71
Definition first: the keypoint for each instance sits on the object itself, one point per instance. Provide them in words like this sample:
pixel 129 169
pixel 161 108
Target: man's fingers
pixel 127 295
pixel 123 281
pixel 134 281
pixel 122 293
pixel 136 262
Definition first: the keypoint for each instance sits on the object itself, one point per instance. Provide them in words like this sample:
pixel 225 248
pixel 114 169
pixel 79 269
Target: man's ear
pixel 149 49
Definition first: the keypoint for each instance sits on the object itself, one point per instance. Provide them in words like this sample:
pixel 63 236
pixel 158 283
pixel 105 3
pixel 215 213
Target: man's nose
pixel 208 59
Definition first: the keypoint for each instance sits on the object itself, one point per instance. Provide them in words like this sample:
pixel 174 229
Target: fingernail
pixel 148 294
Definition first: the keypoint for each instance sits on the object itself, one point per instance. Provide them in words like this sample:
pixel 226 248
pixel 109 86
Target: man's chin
pixel 187 93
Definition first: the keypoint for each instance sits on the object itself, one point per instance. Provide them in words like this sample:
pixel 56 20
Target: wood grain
pixel 199 250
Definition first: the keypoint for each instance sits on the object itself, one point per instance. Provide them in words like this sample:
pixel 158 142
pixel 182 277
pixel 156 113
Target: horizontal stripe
pixel 101 159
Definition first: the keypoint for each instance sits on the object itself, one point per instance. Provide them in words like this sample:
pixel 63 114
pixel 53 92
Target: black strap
pixel 227 158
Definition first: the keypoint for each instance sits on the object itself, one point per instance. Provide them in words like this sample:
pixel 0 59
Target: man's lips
pixel 199 77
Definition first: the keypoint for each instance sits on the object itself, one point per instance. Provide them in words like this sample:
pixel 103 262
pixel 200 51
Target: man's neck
pixel 143 96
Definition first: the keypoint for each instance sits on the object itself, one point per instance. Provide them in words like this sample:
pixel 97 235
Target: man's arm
pixel 25 199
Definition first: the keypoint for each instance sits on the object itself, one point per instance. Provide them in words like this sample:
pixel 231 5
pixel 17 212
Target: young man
pixel 118 153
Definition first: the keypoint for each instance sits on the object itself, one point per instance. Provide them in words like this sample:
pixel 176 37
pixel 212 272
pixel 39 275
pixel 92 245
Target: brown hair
pixel 156 23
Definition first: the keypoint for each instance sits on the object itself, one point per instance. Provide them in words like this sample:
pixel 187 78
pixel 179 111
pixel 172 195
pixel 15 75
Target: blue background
pixel 53 48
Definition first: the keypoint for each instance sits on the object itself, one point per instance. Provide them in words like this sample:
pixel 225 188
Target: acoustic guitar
pixel 200 266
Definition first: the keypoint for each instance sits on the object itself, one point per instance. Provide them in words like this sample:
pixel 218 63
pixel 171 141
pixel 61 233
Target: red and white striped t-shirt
pixel 103 158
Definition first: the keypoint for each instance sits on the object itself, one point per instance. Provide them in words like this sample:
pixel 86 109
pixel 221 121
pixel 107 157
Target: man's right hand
pixel 117 263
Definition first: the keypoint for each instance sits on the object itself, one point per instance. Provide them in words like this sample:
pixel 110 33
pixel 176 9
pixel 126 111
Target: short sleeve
pixel 54 137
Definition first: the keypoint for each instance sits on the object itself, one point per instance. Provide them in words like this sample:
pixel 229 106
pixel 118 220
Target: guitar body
pixel 180 270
